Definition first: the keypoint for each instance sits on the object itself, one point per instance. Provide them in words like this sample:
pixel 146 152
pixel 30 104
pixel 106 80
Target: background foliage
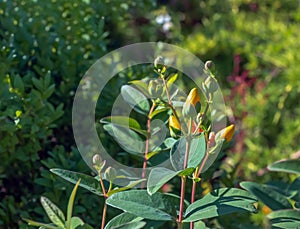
pixel 46 46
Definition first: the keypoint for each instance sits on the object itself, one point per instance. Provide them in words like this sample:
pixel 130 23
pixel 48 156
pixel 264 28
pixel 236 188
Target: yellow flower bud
pixel 189 108
pixel 193 97
pixel 174 123
pixel 228 132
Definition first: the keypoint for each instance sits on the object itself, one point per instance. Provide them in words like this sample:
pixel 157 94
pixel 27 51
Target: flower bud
pixel 211 139
pixel 210 84
pixel 98 164
pixel 159 62
pixel 110 174
pixel 96 159
pixel 174 126
pixel 209 65
pixel 174 123
pixel 226 133
pixel 155 89
pixel 193 97
pixel 189 107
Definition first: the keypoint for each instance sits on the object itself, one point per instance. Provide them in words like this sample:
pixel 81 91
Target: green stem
pixel 167 90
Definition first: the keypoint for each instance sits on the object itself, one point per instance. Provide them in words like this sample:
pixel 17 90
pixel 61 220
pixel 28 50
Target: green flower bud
pixel 98 164
pixel 110 174
pixel 209 65
pixel 159 62
pixel 155 88
pixel 210 85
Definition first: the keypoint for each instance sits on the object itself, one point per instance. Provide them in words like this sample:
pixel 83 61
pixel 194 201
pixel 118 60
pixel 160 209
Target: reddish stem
pixel 183 181
pixel 147 140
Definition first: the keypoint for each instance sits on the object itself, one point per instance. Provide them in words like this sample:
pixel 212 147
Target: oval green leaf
pixel 140 203
pixel 289 166
pixel 130 141
pixel 137 100
pixel 268 196
pixel 196 152
pixel 220 202
pixel 87 182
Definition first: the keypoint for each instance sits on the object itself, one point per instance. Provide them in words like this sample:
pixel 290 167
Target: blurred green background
pixel 47 46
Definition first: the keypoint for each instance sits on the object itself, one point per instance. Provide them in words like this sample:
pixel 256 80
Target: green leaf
pixel 70 206
pixel 48 92
pixel 124 121
pixel 158 111
pixel 142 86
pixel 196 152
pixel 135 99
pixel 122 219
pixel 289 166
pixel 54 213
pixel 37 224
pixel 172 79
pixel 140 203
pixel 220 202
pixel 129 186
pixel 87 182
pixel 127 139
pixel 186 172
pixel 75 222
pixel 200 225
pixel 213 155
pixel 285 219
pixel 18 83
pixel 269 197
pixel 158 177
pixel 38 84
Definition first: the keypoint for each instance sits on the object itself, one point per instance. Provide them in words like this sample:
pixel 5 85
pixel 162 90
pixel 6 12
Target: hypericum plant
pixel 192 147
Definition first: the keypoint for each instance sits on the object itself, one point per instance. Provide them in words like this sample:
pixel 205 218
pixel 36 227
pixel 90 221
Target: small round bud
pixel 159 62
pixel 209 65
pixel 210 84
pixel 155 88
pixel 110 174
pixel 96 159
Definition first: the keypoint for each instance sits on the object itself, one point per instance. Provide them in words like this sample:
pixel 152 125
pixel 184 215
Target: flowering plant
pixel 192 147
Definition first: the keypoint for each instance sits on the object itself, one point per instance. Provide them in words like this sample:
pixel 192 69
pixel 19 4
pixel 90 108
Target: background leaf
pixel 269 197
pixel 289 166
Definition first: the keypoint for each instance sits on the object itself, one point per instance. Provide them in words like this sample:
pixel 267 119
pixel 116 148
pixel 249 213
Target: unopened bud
pixel 210 84
pixel 209 65
pixel 155 88
pixel 226 133
pixel 189 107
pixel 211 139
pixel 110 174
pixel 96 159
pixel 159 62
pixel 98 164
pixel 174 123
